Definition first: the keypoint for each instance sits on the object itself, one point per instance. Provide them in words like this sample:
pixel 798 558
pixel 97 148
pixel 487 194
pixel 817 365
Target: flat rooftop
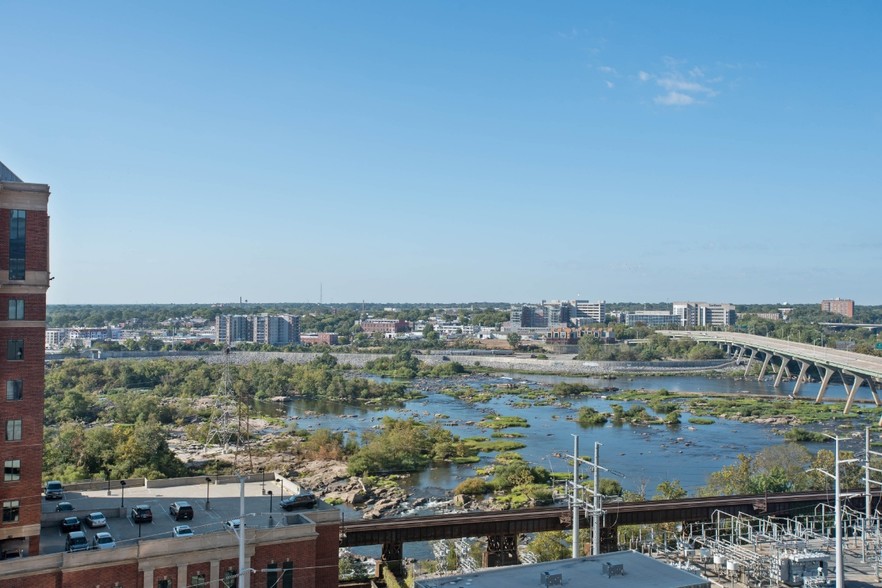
pixel 638 570
pixel 222 497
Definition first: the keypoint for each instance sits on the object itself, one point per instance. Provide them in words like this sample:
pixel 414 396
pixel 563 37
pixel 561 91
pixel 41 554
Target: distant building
pixel 24 279
pixel 704 314
pixel 651 318
pixel 590 311
pixel 262 328
pixel 841 306
pixel 384 326
pixel 318 338
pixel 283 329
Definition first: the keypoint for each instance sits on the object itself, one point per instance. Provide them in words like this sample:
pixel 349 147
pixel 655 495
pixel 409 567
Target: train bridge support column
pixel 800 380
pixel 502 550
pixel 393 557
pixel 609 539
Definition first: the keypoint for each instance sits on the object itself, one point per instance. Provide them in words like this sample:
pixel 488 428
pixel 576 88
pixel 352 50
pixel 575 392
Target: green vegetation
pixel 701 421
pixel 484 445
pixel 472 487
pixel 403 365
pixel 496 421
pixel 798 435
pixel 405 446
pixel 589 417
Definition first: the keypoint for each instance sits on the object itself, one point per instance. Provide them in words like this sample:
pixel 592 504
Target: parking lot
pixel 223 499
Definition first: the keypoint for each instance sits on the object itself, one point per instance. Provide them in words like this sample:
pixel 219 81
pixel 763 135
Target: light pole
pixel 122 501
pixel 270 492
pixel 207 491
pixel 837 505
pixel 107 477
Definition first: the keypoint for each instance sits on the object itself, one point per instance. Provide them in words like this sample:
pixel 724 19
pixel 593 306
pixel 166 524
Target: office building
pixel 704 314
pixel 24 279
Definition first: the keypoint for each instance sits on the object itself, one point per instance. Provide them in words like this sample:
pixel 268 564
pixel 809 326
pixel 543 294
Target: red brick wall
pixel 51 579
pixel 127 575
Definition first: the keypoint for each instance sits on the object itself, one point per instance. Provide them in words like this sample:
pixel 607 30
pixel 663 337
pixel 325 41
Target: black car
pixel 142 514
pixel 181 511
pixel 302 500
pixel 69 524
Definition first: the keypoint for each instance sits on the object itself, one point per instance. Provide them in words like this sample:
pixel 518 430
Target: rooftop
pixel 214 503
pixel 637 570
pixel 6 174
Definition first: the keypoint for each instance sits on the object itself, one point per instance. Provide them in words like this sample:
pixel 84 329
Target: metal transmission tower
pixel 227 414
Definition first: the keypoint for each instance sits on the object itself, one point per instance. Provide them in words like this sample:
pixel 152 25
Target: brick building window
pixel 15 349
pixel 198 580
pixel 12 470
pixel 17 245
pixel 16 310
pixel 14 389
pixel 288 574
pixel 13 430
pixel 164 583
pixel 230 579
pixel 10 511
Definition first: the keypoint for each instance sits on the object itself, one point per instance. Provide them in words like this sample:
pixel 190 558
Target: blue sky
pixel 450 151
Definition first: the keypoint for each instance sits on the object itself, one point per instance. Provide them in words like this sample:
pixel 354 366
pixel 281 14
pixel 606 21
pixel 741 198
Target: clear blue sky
pixel 451 151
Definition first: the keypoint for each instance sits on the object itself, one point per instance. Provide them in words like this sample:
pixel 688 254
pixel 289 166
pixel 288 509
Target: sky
pixel 450 151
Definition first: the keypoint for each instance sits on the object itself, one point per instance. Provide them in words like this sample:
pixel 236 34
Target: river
pixel 637 456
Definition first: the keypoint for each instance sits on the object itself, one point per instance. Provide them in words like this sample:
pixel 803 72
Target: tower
pixel 24 279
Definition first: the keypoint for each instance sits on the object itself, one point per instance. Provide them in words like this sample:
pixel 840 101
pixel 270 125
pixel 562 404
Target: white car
pixel 103 540
pixel 233 524
pixel 182 531
pixel 96 519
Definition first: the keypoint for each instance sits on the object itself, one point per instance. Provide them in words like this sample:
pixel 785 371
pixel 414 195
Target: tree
pixel 550 546
pixel 669 490
pixel 514 340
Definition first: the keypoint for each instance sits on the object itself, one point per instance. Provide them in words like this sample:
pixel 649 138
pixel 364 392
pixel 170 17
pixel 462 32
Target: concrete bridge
pixel 853 369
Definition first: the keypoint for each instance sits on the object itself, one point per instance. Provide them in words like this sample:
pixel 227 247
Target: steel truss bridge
pixel 502 528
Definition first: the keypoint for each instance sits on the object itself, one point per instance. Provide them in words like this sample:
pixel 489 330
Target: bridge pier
pixel 393 557
pixel 749 361
pixel 502 550
pixel 784 361
pixel 800 380
pixel 828 373
pixel 609 539
pixel 766 360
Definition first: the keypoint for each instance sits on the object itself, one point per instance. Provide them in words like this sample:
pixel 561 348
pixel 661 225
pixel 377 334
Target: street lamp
pixel 122 501
pixel 107 477
pixel 270 492
pixel 207 489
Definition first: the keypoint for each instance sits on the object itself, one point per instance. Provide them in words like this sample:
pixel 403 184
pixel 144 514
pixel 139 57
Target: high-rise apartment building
pixel 283 329
pixel 842 306
pixel 24 279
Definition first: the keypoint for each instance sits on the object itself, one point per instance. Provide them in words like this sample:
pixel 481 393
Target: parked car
pixel 103 540
pixel 233 524
pixel 63 507
pixel 302 500
pixel 54 490
pixel 95 520
pixel 182 531
pixel 181 511
pixel 69 524
pixel 141 513
pixel 76 541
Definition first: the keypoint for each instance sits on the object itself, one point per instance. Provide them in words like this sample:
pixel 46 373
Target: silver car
pixel 103 540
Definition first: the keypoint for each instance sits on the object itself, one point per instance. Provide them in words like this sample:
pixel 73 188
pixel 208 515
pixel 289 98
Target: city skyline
pixel 444 151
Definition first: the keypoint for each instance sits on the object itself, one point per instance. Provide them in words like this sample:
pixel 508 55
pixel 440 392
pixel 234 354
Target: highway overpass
pixel 854 369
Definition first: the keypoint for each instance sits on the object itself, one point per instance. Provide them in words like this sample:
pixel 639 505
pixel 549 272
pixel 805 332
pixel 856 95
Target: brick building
pixel 319 338
pixel 384 326
pixel 842 306
pixel 24 279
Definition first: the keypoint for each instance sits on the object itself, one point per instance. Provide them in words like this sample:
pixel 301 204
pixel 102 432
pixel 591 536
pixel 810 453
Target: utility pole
pixel 868 506
pixel 840 571
pixel 596 507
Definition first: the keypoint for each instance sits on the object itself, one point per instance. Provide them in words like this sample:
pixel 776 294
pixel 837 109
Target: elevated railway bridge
pixel 853 369
pixel 502 528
